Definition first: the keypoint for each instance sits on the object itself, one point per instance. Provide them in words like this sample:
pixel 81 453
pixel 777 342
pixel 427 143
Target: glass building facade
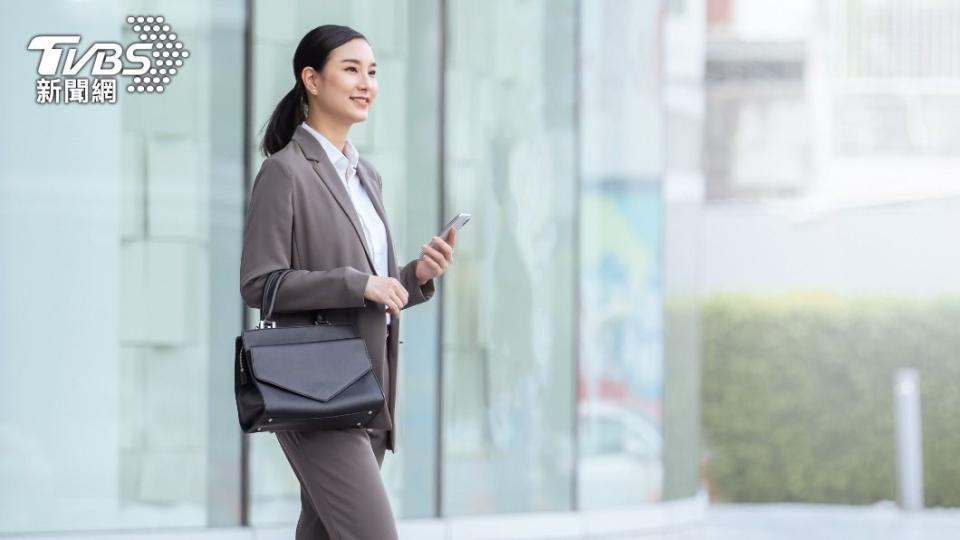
pixel 533 383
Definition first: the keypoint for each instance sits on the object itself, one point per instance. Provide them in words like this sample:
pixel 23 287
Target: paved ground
pixel 723 522
pixel 814 522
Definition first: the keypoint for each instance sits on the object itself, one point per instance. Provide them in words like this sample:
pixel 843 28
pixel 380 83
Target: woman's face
pixel 347 85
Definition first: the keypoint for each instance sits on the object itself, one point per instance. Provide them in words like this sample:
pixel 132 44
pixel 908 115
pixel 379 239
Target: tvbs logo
pixel 151 62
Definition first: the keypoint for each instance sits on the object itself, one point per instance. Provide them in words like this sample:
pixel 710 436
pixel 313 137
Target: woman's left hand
pixel 436 257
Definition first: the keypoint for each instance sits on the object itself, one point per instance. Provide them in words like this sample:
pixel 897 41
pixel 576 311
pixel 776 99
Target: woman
pixel 317 207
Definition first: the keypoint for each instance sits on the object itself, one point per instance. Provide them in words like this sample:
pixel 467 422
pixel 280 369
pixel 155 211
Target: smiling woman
pixel 401 136
pixel 312 54
pixel 317 209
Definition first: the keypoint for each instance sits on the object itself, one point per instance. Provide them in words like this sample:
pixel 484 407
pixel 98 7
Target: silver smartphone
pixel 456 223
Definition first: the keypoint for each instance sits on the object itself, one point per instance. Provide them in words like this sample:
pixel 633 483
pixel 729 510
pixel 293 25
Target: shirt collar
pixel 337 158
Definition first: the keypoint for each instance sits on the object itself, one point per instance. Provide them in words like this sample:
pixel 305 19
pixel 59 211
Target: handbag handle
pixel 270 289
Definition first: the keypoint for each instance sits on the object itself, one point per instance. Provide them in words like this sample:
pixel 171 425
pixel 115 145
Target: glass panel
pixel 683 202
pixel 401 139
pixel 508 301
pixel 621 257
pixel 113 224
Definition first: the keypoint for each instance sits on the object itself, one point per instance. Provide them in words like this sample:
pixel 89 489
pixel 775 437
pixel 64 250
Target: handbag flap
pixel 318 370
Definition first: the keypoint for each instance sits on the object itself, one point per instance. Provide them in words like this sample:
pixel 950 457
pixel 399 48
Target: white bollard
pixel 906 395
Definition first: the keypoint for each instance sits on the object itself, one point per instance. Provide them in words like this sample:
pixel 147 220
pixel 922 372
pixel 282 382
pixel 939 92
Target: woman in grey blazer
pixel 317 207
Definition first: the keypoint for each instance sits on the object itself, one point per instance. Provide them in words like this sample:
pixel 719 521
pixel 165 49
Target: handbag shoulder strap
pixel 270 289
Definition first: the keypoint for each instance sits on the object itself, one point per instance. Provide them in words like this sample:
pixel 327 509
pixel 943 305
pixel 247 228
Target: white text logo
pixel 151 62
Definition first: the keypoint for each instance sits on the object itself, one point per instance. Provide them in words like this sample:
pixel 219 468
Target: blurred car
pixel 620 456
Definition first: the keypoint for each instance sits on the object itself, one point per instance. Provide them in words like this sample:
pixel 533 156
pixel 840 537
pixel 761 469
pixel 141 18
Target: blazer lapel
pixel 366 176
pixel 314 152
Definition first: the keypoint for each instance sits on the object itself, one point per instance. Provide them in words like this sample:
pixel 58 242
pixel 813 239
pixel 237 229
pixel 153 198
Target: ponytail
pixel 284 120
pixel 313 51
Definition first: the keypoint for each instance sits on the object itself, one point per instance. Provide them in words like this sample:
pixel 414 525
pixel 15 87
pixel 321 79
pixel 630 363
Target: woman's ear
pixel 308 77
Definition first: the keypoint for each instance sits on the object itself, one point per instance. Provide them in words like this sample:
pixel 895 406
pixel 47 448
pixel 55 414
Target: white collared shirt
pixel 374 231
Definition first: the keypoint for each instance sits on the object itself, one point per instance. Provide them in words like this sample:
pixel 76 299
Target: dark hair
pixel 313 51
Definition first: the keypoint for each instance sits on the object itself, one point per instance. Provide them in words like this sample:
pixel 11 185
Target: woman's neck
pixel 334 132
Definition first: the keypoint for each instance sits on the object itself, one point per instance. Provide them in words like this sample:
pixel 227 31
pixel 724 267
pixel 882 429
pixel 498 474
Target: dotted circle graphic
pixel 166 51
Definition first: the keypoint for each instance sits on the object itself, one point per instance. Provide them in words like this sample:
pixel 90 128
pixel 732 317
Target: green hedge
pixel 797 396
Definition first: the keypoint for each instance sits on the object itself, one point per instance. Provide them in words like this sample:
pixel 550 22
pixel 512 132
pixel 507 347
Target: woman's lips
pixel 361 101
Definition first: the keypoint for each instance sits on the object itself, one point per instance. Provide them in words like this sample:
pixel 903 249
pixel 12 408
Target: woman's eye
pixel 351 68
pixel 373 73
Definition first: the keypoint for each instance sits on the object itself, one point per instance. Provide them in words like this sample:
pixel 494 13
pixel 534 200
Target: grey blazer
pixel 301 217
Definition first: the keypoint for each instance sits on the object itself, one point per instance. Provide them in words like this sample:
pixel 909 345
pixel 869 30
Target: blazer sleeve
pixel 267 241
pixel 408 274
pixel 418 294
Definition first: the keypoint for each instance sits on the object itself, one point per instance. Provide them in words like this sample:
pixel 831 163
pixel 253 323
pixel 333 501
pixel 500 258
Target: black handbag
pixel 302 377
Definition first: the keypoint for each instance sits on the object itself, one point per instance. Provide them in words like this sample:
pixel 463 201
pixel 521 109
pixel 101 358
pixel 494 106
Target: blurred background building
pixel 831 145
pixel 831 159
pixel 706 233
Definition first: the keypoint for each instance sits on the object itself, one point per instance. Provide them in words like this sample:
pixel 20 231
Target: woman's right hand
pixel 388 291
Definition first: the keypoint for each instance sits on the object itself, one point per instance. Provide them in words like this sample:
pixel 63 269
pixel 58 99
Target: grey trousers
pixel 342 496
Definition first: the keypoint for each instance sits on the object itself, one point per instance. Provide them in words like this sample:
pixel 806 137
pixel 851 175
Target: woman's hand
pixel 388 291
pixel 436 257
